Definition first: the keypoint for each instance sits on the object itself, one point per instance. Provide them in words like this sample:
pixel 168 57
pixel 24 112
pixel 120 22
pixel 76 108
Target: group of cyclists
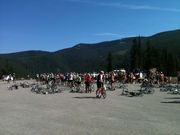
pixel 103 79
pixel 88 79
pixel 76 80
pixel 117 75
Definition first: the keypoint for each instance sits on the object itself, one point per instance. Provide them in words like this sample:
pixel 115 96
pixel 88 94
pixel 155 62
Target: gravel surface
pixel 25 113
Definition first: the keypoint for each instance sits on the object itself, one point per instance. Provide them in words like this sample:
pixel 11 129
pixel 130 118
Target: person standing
pixel 100 81
pixel 178 77
pixel 87 83
pixel 161 78
pixel 112 80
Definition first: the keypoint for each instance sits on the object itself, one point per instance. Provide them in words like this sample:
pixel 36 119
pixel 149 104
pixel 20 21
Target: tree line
pixel 150 56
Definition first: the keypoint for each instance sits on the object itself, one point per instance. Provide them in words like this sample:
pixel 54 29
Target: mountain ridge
pixel 84 57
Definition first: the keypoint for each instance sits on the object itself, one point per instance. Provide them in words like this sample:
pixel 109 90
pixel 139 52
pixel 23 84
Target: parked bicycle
pixel 147 87
pixel 167 88
pixel 124 89
pixel 76 88
pixel 175 90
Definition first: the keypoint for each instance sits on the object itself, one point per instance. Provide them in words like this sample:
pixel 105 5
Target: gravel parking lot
pixel 25 113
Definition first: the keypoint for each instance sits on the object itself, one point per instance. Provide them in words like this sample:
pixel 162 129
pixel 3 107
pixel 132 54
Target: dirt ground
pixel 25 113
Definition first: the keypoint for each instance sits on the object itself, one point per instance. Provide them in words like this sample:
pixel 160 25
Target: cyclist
pixel 70 79
pixel 122 77
pixel 88 82
pixel 178 77
pixel 78 80
pixel 132 78
pixel 112 80
pixel 100 82
pixel 161 78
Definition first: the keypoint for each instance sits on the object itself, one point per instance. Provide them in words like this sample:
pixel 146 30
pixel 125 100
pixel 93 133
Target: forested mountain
pixel 85 57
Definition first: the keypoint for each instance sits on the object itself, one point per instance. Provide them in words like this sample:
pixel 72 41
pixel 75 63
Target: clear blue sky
pixel 51 25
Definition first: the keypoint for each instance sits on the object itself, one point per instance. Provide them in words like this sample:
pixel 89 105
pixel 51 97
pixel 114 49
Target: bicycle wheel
pixel 104 94
pixel 92 88
pixel 98 94
pixel 152 91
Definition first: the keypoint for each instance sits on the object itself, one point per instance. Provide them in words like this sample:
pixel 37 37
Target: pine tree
pixel 177 64
pixel 8 69
pixel 139 53
pixel 151 57
pixel 110 63
pixel 171 65
pixel 147 56
pixel 135 54
pixel 164 60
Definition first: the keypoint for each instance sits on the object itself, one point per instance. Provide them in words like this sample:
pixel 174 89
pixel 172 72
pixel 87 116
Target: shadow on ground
pixel 172 102
pixel 172 98
pixel 86 97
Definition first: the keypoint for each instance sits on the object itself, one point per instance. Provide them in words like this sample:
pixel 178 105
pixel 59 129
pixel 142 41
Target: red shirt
pixel 87 79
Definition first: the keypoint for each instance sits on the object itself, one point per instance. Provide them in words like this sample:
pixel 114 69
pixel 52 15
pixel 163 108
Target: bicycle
pixel 91 88
pixel 13 87
pixel 76 88
pixel 167 88
pixel 124 89
pixel 175 90
pixel 135 93
pixel 52 88
pixel 147 90
pixel 147 87
pixel 109 86
pixel 101 93
pixel 36 89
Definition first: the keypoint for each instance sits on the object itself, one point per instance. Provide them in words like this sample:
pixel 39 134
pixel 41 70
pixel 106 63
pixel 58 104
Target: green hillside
pixel 169 40
pixel 84 57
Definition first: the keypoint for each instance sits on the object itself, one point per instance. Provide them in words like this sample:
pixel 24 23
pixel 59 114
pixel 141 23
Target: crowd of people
pixel 8 78
pixel 101 78
pixel 122 76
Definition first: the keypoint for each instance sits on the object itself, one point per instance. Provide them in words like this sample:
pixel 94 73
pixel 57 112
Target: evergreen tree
pixel 135 54
pixel 151 57
pixel 164 60
pixel 177 64
pixel 171 65
pixel 8 69
pixel 139 53
pixel 147 56
pixel 109 60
